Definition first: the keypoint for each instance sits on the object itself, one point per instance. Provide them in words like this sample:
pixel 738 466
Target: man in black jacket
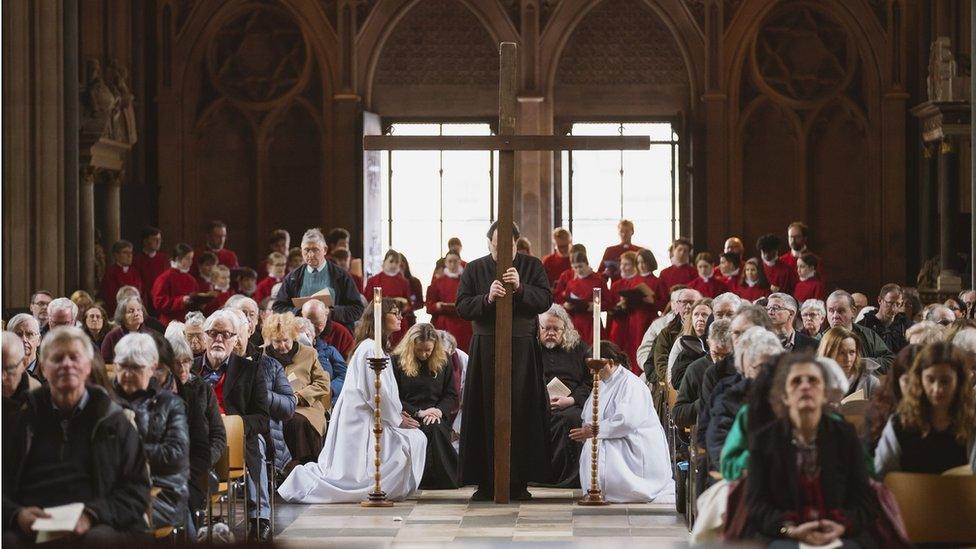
pixel 316 274
pixel 241 391
pixel 782 310
pixel 887 321
pixel 71 444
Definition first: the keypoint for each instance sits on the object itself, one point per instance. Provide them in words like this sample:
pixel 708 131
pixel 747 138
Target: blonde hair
pixel 280 326
pixel 915 410
pixel 688 329
pixel 407 359
pixel 830 345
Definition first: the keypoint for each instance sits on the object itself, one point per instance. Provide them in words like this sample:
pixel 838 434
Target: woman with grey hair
pixel 160 417
pixel 193 332
pixel 812 315
pixel 130 318
pixel 27 328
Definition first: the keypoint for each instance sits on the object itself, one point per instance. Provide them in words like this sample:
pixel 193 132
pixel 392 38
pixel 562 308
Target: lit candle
pixel 596 322
pixel 378 322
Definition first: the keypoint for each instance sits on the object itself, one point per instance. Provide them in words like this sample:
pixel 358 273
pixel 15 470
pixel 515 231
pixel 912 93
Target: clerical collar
pixel 176 265
pixel 150 254
pixel 705 278
pixel 391 273
pixel 221 288
pixel 125 268
pixel 674 263
pixel 751 283
pixel 808 277
pixel 449 274
pixel 625 277
pixel 733 274
pixel 648 273
pixel 768 263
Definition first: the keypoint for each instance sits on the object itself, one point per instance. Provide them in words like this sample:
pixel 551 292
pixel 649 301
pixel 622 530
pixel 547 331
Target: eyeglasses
pixel 395 313
pixel 44 303
pixel 685 301
pixel 809 315
pixel 214 334
pixel 773 309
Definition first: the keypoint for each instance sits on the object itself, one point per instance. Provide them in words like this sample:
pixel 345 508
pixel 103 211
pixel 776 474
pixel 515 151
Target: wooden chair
pixel 962 470
pixel 230 469
pixel 936 508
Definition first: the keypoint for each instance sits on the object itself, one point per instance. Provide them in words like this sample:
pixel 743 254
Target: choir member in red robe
pixel 121 273
pixel 568 274
pixel 171 291
pixel 733 245
pixel 647 310
pixel 150 261
pixel 780 274
pixel 279 242
pixel 557 262
pixel 797 233
pixel 751 284
pixel 441 299
pixel 221 287
pixel 275 263
pixel 681 270
pixel 618 319
pixel 342 258
pixel 454 245
pixel 577 297
pixel 729 268
pixel 244 281
pixel 394 285
pixel 416 296
pixel 216 238
pixel 706 284
pixel 810 285
pixel 205 264
pixel 610 264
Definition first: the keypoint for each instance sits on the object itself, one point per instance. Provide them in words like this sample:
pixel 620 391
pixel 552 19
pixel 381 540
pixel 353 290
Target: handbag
pixel 736 510
pixel 889 527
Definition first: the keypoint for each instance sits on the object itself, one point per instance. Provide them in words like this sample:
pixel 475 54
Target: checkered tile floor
pixel 436 517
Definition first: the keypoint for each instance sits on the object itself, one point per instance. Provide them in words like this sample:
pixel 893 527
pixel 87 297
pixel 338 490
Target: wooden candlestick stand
pixel 377 498
pixel 594 496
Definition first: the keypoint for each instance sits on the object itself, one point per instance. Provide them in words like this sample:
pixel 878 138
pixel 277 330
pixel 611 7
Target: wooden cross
pixel 506 142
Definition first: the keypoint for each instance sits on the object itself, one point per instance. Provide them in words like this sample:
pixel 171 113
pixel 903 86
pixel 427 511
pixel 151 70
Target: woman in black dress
pixel 425 381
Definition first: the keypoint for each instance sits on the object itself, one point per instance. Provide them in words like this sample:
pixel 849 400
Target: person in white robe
pixel 345 468
pixel 632 450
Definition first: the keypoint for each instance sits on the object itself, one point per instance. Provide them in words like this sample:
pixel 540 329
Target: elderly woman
pixel 425 382
pixel 130 317
pixel 16 384
pixel 208 440
pixel 925 332
pixel 844 346
pixel 303 432
pixel 26 327
pixel 193 332
pixel 812 315
pixel 692 344
pixel 95 323
pixel 934 426
pixel 808 481
pixel 160 418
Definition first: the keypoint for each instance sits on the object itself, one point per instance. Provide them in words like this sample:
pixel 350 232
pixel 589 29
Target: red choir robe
pixel 262 269
pixel 444 289
pixel 610 264
pixel 561 282
pixel 168 292
pixel 224 257
pixel 628 324
pixel 675 275
pixel 750 293
pixel 581 289
pixel 555 265
pixel 618 319
pixel 729 280
pixel 150 268
pixel 781 275
pixel 263 289
pixel 338 336
pixel 708 288
pixel 393 286
pixel 115 277
pixel 218 301
pixel 359 282
pixel 811 288
pixel 790 259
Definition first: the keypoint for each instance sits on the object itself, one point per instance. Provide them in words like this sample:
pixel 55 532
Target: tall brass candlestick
pixel 377 498
pixel 594 496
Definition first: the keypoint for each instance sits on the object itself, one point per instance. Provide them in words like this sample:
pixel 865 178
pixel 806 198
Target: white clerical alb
pixel 344 471
pixel 633 451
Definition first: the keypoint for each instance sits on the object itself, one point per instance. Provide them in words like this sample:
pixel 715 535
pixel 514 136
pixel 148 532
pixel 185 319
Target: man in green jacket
pixel 840 312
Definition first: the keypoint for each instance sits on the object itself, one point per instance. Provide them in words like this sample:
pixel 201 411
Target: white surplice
pixel 633 452
pixel 345 468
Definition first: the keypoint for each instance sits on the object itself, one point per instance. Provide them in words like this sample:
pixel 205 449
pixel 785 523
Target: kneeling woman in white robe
pixel 633 452
pixel 345 468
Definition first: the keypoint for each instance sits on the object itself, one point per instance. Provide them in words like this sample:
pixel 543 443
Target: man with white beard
pixel 634 466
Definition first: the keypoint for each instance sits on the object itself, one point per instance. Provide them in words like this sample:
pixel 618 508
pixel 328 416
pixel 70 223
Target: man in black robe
pixel 564 358
pixel 476 297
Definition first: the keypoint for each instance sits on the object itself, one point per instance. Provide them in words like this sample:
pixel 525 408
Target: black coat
pixel 245 393
pixel 685 412
pixel 120 481
pixel 803 343
pixel 773 482
pixel 347 305
pixel 892 334
pixel 691 349
pixel 729 395
pixel 207 436
pixel 160 417
pixel 713 375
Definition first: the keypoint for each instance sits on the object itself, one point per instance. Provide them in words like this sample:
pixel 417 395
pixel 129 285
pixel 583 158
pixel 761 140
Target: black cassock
pixel 570 367
pixel 530 403
pixel 428 391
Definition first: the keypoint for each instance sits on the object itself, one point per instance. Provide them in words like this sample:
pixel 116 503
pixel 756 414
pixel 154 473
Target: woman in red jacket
pixel 751 284
pixel 171 290
pixel 394 286
pixel 577 297
pixel 441 297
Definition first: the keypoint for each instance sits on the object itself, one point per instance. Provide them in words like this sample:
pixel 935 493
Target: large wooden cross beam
pixel 506 142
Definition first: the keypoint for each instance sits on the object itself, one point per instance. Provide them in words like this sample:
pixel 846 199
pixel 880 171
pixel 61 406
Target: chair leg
pixel 271 495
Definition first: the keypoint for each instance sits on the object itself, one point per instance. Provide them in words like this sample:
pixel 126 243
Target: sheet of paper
pixel 557 388
pixel 63 518
pixel 856 395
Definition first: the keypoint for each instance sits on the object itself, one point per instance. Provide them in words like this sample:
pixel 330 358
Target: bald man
pixel 733 244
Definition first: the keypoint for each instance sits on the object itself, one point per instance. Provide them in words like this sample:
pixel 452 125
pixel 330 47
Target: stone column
pixel 928 202
pixel 112 231
pixel 948 195
pixel 86 237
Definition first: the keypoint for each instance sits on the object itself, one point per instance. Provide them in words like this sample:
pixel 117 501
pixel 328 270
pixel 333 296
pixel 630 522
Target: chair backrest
pixel 936 508
pixel 234 425
pixel 962 470
pixel 672 396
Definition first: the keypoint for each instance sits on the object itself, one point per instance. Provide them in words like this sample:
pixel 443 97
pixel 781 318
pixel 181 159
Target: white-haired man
pixel 564 359
pixel 29 330
pixel 781 308
pixel 16 384
pixel 316 274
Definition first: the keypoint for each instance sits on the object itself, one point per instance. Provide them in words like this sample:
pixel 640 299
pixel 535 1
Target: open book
pixel 62 522
pixel 323 295
pixel 557 388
